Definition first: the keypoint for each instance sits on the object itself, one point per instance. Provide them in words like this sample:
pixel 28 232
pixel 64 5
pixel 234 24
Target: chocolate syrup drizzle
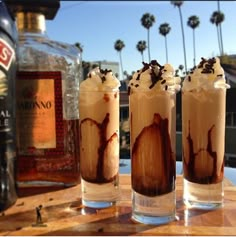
pixel 102 127
pixel 167 182
pixel 190 172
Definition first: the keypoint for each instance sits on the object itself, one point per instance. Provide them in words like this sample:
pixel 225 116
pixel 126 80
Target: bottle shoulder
pixel 39 50
pixel 7 23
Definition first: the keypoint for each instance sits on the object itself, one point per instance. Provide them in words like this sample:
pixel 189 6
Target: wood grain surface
pixel 63 214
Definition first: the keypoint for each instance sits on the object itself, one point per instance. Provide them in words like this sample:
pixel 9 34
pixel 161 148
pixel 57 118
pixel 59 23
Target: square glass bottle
pixel 46 100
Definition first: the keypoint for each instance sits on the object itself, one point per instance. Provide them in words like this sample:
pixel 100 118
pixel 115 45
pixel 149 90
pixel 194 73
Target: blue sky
pixel 98 24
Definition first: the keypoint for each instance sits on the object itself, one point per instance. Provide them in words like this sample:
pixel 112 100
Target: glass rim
pixel 100 91
pixel 152 92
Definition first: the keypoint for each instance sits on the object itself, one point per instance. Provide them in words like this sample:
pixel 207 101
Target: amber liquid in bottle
pixel 47 107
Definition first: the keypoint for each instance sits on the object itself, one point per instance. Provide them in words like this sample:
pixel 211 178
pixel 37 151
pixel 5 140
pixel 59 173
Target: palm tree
pixel 141 46
pixel 147 21
pixel 179 4
pixel 193 22
pixel 119 45
pixel 221 37
pixel 181 67
pixel 217 18
pixel 164 29
pixel 79 46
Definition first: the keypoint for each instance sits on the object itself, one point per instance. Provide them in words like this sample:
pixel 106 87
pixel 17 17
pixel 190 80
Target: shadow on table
pixel 71 218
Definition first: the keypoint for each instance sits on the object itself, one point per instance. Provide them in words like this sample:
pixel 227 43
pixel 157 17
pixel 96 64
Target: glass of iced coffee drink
pixel 152 101
pixel 203 134
pixel 99 138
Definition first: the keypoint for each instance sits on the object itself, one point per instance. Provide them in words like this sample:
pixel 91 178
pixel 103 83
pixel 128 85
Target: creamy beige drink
pixel 152 96
pixel 99 138
pixel 203 134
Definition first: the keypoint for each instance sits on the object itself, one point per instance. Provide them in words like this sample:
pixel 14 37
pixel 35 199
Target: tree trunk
pixel 220 29
pixel 121 67
pixel 166 49
pixel 221 40
pixel 182 28
pixel 218 37
pixel 148 39
pixel 142 56
pixel 194 49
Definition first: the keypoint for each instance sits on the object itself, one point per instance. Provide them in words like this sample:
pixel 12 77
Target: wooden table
pixel 63 214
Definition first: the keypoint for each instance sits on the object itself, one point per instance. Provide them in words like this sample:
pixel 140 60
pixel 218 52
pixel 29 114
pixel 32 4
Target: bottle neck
pixel 30 22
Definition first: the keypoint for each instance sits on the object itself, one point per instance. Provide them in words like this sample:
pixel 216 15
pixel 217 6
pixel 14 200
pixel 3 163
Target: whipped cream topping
pixel 207 75
pixel 100 80
pixel 155 77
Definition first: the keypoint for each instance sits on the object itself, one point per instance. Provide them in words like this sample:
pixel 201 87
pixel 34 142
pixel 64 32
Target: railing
pixel 125 168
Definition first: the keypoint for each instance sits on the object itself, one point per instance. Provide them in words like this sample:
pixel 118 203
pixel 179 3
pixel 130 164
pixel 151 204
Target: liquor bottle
pixel 8 37
pixel 47 86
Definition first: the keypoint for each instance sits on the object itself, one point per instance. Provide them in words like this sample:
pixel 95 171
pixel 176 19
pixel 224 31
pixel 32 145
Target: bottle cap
pixel 48 8
pixel 7 24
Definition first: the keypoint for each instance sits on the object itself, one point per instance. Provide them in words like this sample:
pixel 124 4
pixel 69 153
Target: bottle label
pixel 5 113
pixel 39 111
pixel 7 105
pixel 6 54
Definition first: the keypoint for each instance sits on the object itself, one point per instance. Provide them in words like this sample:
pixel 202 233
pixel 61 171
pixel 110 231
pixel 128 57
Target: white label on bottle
pixel 6 54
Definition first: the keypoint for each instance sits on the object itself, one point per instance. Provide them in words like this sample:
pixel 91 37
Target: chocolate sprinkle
pixel 202 62
pixel 104 73
pixel 208 65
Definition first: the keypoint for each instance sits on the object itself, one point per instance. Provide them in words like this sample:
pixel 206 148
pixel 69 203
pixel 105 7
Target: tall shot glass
pixel 99 147
pixel 153 167
pixel 203 140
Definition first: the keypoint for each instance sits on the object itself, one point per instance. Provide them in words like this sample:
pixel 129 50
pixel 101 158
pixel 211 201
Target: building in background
pixel 114 66
pixel 88 66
